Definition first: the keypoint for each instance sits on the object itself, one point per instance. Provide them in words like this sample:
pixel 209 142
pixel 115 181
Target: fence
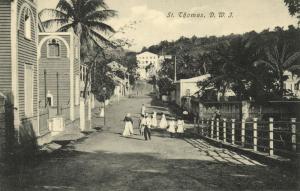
pixel 272 137
pixel 44 115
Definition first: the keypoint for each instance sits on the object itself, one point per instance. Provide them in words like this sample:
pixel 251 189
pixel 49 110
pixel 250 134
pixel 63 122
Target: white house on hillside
pixel 145 59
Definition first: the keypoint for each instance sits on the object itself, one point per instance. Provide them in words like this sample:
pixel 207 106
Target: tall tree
pixel 278 59
pixel 86 18
pixel 294 8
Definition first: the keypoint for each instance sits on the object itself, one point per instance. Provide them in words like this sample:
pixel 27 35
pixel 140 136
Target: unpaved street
pixel 107 161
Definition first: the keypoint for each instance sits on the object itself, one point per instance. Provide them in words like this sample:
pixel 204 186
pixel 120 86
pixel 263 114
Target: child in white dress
pixel 180 127
pixel 154 121
pixel 172 127
pixel 163 122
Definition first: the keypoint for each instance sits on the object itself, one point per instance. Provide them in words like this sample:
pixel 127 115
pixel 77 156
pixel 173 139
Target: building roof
pixel 115 79
pixel 195 79
pixel 146 53
pixel 115 66
pixel 40 25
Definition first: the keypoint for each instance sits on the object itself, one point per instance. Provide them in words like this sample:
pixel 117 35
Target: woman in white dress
pixel 163 124
pixel 154 121
pixel 180 127
pixel 172 127
pixel 128 128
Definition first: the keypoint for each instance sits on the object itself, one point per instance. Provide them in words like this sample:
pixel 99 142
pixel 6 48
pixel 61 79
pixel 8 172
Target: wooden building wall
pixel 27 54
pixel 5 46
pixel 52 66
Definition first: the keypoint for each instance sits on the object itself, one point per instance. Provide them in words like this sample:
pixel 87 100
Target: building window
pixel 77 52
pixel 297 86
pixel 27 25
pixel 53 49
pixel 50 100
pixel 28 89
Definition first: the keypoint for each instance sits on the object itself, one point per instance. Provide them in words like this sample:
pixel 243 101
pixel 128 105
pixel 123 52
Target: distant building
pixel 292 83
pixel 148 64
pixel 188 87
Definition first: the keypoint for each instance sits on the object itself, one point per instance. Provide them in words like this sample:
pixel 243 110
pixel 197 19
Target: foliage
pixel 85 18
pixel 165 85
pixel 251 64
pixel 294 7
pixel 98 47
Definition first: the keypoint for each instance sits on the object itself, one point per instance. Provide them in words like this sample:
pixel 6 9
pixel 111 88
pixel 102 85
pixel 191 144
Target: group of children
pixel 148 122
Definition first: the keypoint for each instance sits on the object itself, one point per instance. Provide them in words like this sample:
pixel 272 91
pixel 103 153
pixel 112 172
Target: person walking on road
pixel 128 128
pixel 163 124
pixel 172 127
pixel 147 132
pixel 143 110
pixel 180 127
pixel 142 124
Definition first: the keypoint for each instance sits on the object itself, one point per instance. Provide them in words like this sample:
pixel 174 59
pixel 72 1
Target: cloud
pixel 154 26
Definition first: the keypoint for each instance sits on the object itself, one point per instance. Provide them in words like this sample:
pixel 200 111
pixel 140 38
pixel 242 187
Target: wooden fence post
pixel 232 131
pixel 217 128
pixel 271 145
pixel 243 127
pixel 293 129
pixel 224 130
pixel 255 134
pixel 202 126
pixel 212 128
pixel 207 127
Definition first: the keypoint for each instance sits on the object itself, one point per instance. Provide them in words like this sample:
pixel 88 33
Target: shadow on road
pixel 74 170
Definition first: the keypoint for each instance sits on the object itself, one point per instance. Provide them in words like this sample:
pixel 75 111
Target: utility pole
pixel 175 78
pixel 128 83
pixel 104 117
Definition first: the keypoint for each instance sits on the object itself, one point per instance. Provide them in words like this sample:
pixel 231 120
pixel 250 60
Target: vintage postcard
pixel 149 95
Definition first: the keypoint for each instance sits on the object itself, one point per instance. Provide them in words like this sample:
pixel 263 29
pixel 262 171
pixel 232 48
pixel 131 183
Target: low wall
pixel 279 110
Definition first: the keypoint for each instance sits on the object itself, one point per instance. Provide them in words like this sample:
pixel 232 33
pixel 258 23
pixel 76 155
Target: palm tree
pixel 85 17
pixel 279 60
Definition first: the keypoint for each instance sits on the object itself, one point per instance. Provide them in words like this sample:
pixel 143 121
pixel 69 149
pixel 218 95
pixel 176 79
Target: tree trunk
pixel 281 83
pixel 87 79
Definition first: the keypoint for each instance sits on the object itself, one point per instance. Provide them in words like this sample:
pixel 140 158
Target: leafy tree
pixel 294 7
pixel 277 60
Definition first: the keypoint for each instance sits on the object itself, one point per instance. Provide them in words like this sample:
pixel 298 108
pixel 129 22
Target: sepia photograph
pixel 138 95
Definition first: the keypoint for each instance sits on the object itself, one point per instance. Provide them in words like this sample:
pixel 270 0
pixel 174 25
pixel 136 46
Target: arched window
pixel 27 24
pixel 53 48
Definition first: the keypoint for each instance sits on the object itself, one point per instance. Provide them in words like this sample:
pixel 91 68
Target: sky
pixel 153 24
